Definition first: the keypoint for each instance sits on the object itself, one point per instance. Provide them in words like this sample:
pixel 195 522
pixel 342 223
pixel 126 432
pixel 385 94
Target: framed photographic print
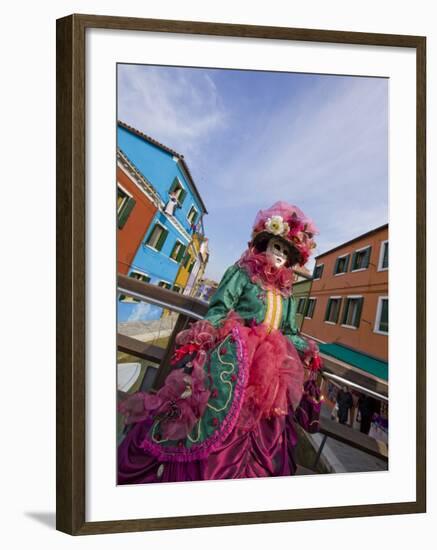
pixel 237 206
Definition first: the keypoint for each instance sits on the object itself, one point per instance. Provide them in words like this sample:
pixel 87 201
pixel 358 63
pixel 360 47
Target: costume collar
pixel 264 274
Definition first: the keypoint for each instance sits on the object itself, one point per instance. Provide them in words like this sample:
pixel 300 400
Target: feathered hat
pixel 290 224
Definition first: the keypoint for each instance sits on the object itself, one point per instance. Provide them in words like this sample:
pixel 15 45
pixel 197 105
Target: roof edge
pixel 362 236
pixel 180 157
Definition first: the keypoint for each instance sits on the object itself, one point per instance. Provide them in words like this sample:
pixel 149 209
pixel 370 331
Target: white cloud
pixel 175 107
pixel 144 311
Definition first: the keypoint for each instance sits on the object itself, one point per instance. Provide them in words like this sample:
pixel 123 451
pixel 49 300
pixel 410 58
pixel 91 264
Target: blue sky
pixel 251 138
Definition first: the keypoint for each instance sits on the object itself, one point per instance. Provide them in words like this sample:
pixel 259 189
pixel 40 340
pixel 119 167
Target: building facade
pixel 348 302
pixel 137 205
pixel 347 310
pixel 194 265
pixel 178 217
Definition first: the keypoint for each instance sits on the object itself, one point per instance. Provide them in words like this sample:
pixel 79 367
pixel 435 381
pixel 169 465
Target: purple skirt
pixel 266 449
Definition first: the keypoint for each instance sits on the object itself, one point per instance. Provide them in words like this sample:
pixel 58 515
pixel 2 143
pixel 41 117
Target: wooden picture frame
pixel 71 254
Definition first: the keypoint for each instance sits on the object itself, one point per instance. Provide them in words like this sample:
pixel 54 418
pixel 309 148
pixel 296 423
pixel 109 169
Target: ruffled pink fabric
pixel 263 273
pixel 274 382
pixel 276 375
pixel 180 403
pixel 201 333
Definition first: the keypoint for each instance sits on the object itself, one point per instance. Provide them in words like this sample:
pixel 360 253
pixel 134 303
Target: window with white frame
pixel 361 258
pixel 352 311
pixel 341 264
pixel 383 256
pixel 125 205
pixel 381 322
pixel 164 284
pixel 318 271
pixel 157 237
pixel 192 215
pixel 301 305
pixel 122 198
pixel 333 309
pixel 177 191
pixel 310 307
pixel 178 251
pixel 139 276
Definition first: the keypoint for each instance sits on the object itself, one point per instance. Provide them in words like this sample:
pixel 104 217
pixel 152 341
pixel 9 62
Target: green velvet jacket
pixel 251 302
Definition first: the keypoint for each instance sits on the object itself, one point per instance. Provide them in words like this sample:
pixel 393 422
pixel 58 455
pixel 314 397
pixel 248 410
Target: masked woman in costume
pixel 241 378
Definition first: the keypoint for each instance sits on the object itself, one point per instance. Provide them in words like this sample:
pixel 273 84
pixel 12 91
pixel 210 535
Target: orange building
pixel 137 203
pixel 347 307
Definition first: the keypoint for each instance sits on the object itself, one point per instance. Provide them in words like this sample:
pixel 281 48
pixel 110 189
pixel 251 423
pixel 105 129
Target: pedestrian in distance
pixel 344 402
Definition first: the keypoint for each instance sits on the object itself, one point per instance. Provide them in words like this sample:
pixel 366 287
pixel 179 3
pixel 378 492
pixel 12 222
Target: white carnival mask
pixel 277 252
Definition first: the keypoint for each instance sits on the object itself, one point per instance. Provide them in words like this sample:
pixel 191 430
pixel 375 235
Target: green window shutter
pixel 181 253
pixel 328 307
pixel 354 255
pixel 161 240
pixel 322 267
pixel 385 257
pixel 190 269
pixel 173 250
pixel 383 320
pixel 182 196
pixel 367 258
pixel 346 263
pixel 125 212
pixel 336 265
pixel 359 309
pixel 345 310
pixel 173 185
pixel 337 315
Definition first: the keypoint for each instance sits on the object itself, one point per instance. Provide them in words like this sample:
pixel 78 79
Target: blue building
pixel 180 213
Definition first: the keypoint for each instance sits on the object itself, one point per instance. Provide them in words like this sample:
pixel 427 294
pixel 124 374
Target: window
pixel 178 251
pixel 381 323
pixel 139 277
pixel 341 264
pixel 192 215
pixel 318 270
pixel 125 204
pixel 187 260
pixel 361 258
pixel 352 311
pixel 190 269
pixel 383 256
pixel 157 237
pixel 311 306
pixel 164 284
pixel 333 309
pixel 178 191
pixel 177 289
pixel 122 198
pixel 301 305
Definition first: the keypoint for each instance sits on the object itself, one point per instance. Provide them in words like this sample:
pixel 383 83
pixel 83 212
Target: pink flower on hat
pixel 289 223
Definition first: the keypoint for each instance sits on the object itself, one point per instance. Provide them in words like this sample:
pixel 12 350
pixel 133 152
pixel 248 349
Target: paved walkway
pixel 343 458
